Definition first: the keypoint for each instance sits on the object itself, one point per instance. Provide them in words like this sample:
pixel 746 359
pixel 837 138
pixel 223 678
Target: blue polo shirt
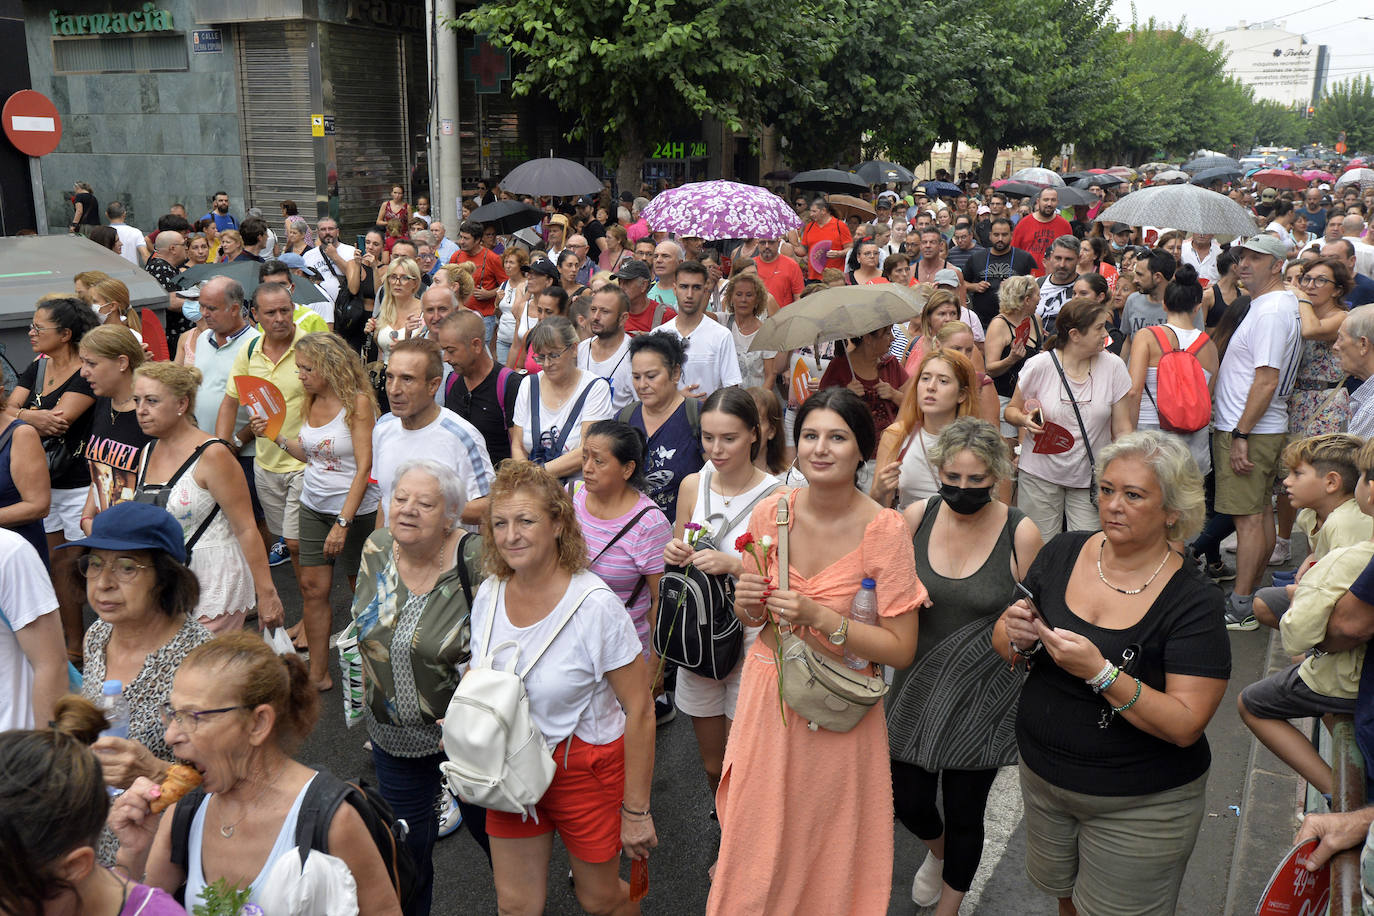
pixel 222 222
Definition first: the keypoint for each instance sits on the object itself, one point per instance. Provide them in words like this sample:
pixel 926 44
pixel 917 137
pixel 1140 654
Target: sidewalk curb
pixel 1271 806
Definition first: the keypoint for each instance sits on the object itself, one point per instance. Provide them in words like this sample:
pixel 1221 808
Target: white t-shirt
pixel 1364 256
pixel 1206 267
pixel 597 406
pixel 26 594
pixel 1052 299
pixel 449 439
pixel 567 688
pixel 711 362
pixel 1269 336
pixel 1284 235
pixel 615 370
pixel 1108 382
pixel 130 238
pixel 329 281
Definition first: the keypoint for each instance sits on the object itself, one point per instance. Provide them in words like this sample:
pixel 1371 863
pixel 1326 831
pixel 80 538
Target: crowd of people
pixel 559 446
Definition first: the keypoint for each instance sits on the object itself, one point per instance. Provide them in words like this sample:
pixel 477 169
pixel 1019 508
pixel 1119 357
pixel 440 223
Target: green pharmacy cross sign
pixel 147 18
pixel 486 65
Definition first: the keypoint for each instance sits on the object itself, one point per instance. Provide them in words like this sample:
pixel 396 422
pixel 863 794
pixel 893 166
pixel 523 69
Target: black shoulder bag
pixel 1082 429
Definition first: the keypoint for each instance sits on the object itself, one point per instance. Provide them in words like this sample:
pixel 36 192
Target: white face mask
pixel 98 315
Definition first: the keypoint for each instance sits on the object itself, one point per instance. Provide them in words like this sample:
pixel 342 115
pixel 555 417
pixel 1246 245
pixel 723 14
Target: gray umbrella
pixel 1181 206
pixel 1220 173
pixel 1216 161
pixel 551 178
pixel 878 172
pixel 1171 175
pixel 303 292
pixel 1097 181
pixel 841 311
pixel 829 180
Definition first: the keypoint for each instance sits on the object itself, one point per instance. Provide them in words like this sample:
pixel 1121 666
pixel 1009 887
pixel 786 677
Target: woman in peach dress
pixel 806 816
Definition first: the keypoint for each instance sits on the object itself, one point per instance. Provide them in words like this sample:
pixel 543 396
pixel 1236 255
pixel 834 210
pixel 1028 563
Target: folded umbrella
pixel 841 311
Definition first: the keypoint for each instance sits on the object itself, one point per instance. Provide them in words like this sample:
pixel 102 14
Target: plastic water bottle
pixel 116 709
pixel 865 610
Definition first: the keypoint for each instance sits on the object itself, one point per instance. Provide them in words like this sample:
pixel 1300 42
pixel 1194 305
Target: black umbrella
pixel 1075 197
pixel 1018 189
pixel 879 172
pixel 1090 180
pixel 1215 161
pixel 303 292
pixel 780 175
pixel 508 215
pixel 551 177
pixel 1223 173
pixel 829 180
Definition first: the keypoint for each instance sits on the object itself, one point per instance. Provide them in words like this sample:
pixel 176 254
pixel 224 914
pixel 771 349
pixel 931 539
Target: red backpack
pixel 1184 404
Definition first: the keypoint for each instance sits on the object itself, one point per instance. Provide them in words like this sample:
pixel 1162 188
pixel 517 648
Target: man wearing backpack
pixel 1252 389
pixel 477 389
pixel 635 278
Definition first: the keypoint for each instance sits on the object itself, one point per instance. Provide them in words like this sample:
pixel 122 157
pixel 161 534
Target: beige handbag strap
pixel 783 529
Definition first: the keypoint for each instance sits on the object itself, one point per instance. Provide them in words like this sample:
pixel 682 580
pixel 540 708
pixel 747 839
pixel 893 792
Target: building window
pixel 114 54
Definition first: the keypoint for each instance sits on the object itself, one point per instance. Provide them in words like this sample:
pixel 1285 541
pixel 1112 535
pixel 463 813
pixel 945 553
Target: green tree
pixel 1349 107
pixel 1276 124
pixel 636 69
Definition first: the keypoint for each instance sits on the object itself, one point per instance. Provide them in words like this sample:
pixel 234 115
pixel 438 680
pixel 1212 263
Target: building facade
pixel 1277 64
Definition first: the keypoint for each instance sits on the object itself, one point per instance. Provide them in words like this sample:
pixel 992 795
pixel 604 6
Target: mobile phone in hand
pixel 1038 416
pixel 1029 598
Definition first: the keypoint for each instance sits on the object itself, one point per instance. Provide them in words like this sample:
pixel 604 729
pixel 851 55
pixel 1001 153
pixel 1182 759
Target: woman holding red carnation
pixel 806 815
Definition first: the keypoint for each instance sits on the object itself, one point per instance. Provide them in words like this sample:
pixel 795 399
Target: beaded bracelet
pixel 1121 709
pixel 1098 679
pixel 1111 679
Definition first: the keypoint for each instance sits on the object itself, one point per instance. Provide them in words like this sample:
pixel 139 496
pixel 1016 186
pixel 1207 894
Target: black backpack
pixel 322 799
pixel 697 628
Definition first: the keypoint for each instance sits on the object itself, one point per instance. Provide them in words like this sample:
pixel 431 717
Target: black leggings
pixel 965 800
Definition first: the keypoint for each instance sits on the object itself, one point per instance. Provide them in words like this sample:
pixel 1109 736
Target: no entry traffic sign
pixel 32 122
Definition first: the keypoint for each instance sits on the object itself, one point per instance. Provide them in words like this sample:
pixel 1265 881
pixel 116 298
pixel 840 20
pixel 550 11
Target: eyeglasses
pixel 125 569
pixel 1318 282
pixel 544 359
pixel 188 719
pixel 39 327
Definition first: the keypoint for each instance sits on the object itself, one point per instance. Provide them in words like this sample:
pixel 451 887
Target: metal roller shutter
pixel 365 70
pixel 274 86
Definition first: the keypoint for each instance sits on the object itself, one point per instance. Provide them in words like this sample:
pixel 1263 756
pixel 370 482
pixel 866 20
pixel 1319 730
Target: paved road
pixel 688 836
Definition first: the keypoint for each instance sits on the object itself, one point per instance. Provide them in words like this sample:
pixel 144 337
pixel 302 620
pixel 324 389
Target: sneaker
pixel 1239 615
pixel 1219 571
pixel 664 710
pixel 1229 543
pixel 929 882
pixel 278 554
pixel 1283 552
pixel 451 818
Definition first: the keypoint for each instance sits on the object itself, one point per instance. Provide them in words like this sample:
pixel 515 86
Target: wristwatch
pixel 342 522
pixel 841 633
pixel 1237 434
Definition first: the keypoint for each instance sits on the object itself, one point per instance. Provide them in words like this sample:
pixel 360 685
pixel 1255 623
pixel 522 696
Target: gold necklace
pixel 227 830
pixel 1103 546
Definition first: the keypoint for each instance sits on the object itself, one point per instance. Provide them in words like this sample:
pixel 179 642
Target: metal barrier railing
pixel 1347 794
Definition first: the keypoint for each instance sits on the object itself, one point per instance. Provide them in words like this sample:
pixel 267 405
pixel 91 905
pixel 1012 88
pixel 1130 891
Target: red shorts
pixel 582 803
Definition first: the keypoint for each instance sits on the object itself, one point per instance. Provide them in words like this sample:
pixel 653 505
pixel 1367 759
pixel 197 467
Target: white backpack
pixel 497 757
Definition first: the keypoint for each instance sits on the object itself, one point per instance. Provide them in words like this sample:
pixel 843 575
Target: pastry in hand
pixel 180 780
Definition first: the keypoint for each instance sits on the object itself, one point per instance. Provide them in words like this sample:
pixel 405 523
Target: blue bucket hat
pixel 135 526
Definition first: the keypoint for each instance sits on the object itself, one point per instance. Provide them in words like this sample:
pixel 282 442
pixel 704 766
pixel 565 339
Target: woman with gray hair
pixel 556 407
pixel 411 611
pixel 950 713
pixel 1128 659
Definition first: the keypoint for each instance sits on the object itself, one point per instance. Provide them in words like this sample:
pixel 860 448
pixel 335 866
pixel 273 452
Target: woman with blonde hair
pixel 110 299
pixel 940 306
pixel 230 246
pixel 617 251
pixel 457 277
pixel 198 479
pixel 1017 298
pixel 109 356
pixel 588 693
pixel 399 317
pixel 944 388
pixel 338 505
pixel 746 304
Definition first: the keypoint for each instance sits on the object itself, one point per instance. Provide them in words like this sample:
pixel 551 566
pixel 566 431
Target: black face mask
pixel 965 500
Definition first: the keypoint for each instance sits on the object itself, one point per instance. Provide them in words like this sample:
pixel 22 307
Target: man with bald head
pixel 579 246
pixel 667 256
pixel 436 304
pixel 479 391
pixel 1352 229
pixel 169 253
pixel 444 247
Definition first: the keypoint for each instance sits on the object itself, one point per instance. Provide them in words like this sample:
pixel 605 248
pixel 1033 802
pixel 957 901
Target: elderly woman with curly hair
pixel 1129 659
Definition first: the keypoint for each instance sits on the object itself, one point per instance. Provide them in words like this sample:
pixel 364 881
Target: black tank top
pixel 1005 384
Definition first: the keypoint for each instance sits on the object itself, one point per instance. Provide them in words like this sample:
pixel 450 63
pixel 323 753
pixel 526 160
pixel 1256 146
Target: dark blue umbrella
pixel 941 189
pixel 1222 173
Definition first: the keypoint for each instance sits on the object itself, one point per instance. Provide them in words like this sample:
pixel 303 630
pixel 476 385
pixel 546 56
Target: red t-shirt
pixel 782 278
pixel 643 323
pixel 834 231
pixel 1035 237
pixel 488 274
pixel 838 374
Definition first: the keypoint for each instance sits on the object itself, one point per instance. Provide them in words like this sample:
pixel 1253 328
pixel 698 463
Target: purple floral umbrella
pixel 721 210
